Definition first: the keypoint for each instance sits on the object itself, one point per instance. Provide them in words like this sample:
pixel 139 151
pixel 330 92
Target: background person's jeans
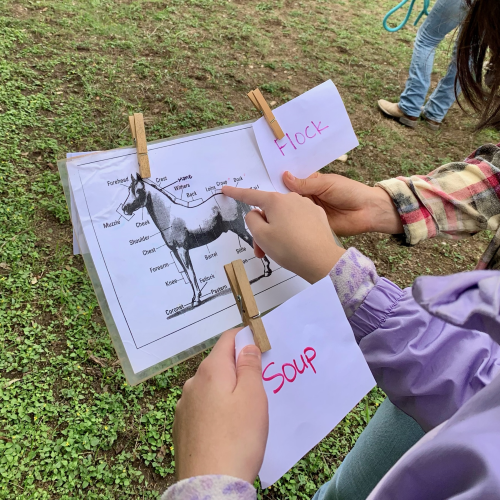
pixel 444 17
pixel 386 438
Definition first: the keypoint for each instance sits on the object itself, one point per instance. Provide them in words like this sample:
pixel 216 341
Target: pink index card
pixel 317 131
pixel 314 374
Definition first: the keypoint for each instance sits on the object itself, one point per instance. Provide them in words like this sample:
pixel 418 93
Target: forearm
pixel 456 200
pixel 381 213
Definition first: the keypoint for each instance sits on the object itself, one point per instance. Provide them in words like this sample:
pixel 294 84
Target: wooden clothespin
pixel 260 103
pixel 136 122
pixel 245 301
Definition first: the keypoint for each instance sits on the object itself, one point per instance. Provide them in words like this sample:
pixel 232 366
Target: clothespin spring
pixel 239 300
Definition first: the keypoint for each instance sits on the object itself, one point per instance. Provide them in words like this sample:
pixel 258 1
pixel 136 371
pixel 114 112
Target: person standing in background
pixel 445 16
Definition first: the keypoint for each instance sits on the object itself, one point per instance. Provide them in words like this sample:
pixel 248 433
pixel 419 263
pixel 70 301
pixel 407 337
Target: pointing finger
pixel 249 196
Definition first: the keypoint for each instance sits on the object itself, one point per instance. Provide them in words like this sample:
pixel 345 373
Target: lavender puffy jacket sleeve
pixel 427 366
pixel 432 350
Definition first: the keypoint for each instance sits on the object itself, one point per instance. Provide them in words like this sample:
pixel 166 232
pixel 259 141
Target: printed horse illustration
pixel 184 225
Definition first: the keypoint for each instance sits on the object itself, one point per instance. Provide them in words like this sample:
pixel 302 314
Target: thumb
pixel 249 369
pixel 313 185
pixel 258 252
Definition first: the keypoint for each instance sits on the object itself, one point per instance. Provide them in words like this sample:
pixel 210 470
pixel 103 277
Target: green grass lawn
pixel 71 71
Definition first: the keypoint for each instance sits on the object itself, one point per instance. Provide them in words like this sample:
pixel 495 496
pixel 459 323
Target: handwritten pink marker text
pixel 287 368
pixel 300 138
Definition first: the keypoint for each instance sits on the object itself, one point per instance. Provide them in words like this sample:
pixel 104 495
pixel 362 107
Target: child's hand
pixel 291 230
pixel 351 207
pixel 221 421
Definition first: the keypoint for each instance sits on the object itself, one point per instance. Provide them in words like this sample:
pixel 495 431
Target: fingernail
pixel 289 175
pixel 251 350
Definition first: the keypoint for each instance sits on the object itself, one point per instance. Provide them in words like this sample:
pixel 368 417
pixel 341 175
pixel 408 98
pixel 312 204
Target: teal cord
pixel 408 14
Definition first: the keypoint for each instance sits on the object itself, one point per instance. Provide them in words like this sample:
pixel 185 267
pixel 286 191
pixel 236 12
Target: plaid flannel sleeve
pixel 454 201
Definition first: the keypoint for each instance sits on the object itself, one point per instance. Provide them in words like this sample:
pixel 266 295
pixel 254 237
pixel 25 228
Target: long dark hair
pixel 479 38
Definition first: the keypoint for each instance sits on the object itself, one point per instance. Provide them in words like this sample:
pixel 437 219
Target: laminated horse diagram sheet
pixel 155 248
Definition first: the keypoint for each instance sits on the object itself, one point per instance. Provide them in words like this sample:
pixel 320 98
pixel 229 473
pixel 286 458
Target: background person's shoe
pixel 392 109
pixel 433 125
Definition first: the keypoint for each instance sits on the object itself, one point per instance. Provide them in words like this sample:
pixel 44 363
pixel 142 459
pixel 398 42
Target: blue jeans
pixel 387 437
pixel 444 17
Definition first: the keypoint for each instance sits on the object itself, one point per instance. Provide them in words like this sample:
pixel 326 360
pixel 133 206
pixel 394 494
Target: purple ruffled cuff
pixel 353 276
pixel 376 307
pixel 212 487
